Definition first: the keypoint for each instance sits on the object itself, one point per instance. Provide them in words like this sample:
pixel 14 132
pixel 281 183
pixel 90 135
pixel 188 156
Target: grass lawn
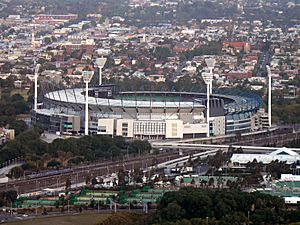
pixel 83 219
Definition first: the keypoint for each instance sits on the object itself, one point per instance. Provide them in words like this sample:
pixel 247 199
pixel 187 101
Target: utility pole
pixel 87 76
pixel 207 77
pixel 37 68
pixel 100 62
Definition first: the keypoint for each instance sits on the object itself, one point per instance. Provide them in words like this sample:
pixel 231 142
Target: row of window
pixel 149 128
pixel 125 129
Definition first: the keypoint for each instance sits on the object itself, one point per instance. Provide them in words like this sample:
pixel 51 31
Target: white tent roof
pixel 284 151
pixel 282 155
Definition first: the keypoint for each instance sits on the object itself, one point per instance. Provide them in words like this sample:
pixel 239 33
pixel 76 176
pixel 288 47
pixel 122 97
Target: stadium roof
pixel 76 97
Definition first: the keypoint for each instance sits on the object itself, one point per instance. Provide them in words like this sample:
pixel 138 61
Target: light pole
pixel 36 71
pixel 87 76
pixel 269 96
pixel 207 77
pixel 210 62
pixel 100 62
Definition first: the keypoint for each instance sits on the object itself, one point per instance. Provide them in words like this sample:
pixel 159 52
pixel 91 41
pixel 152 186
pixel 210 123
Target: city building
pixel 86 45
pixel 54 19
pixel 260 120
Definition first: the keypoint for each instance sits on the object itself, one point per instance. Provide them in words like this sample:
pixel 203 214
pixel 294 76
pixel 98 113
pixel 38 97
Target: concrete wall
pixel 219 125
pixel 76 122
pixel 198 128
pixel 107 124
pixel 122 129
pixel 174 129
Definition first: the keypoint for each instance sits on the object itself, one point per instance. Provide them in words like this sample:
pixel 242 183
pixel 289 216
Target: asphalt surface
pixel 279 140
pixel 79 174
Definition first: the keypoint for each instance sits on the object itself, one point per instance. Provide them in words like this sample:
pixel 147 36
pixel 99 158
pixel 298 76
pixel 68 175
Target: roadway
pixel 262 138
pixel 5 170
pixel 279 140
pixel 80 173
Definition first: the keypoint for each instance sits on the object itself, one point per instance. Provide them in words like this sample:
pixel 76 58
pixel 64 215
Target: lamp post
pixel 269 96
pixel 210 62
pixel 87 76
pixel 36 71
pixel 207 77
pixel 100 62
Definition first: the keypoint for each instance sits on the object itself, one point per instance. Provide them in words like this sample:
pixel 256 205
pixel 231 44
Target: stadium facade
pixel 144 114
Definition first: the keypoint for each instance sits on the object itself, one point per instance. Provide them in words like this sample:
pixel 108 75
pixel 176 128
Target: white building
pixel 282 155
pixel 289 177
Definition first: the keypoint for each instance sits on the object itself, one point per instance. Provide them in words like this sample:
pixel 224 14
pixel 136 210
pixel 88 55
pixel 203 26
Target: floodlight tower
pixel 210 62
pixel 269 96
pixel 207 77
pixel 87 76
pixel 100 62
pixel 36 71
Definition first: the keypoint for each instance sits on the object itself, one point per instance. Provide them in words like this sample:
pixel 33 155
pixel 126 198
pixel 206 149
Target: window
pixel 149 128
pixel 174 129
pixel 102 129
pixel 124 129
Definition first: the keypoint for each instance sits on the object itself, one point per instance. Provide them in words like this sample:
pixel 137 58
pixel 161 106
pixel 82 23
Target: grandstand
pixel 143 114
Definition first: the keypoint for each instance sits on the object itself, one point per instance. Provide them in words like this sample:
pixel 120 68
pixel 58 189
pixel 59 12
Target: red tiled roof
pixel 235 43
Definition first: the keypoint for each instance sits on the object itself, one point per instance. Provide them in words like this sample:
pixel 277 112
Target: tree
pixel 237 218
pixel 47 40
pixel 114 151
pixel 198 221
pixel 8 197
pixel 54 164
pixel 121 177
pixel 173 212
pixel 162 53
pixel 18 125
pixel 211 181
pixel 16 172
pixel 87 180
pixel 218 160
pixel 193 181
pixel 276 168
pixel 139 146
pixel 94 181
pixel 68 185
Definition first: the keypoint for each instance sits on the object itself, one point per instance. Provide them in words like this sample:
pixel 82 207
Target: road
pixel 5 170
pixel 79 174
pixel 278 138
pixel 265 60
pixel 271 140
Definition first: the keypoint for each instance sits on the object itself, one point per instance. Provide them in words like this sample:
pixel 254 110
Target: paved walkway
pixel 5 170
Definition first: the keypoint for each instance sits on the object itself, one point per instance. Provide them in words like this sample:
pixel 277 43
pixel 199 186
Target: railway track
pixel 80 173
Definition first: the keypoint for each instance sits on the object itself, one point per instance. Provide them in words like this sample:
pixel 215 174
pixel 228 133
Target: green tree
pixel 68 184
pixel 139 146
